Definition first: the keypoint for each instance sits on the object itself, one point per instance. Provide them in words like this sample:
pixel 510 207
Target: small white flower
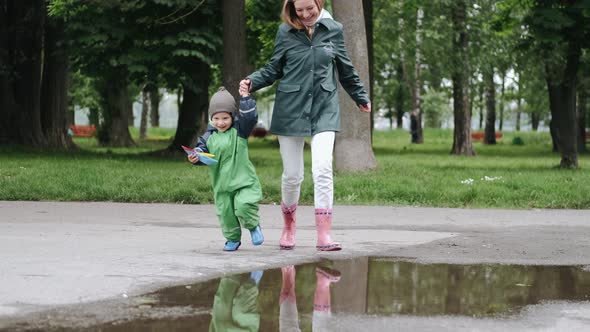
pixel 491 178
pixel 467 181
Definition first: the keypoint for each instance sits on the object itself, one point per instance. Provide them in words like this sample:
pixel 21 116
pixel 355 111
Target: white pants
pixel 322 148
pixel 288 317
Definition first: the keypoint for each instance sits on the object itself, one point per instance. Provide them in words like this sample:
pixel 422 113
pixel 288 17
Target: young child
pixel 236 187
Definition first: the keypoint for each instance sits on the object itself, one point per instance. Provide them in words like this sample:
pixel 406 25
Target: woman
pixel 309 49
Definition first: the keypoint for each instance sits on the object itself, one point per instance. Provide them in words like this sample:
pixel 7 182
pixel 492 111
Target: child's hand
pixel 193 158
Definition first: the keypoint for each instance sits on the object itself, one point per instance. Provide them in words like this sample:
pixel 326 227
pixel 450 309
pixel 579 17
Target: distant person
pixel 309 54
pixel 236 187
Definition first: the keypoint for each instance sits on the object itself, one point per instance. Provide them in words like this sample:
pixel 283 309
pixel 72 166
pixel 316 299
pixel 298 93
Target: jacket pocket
pixel 327 86
pixel 288 88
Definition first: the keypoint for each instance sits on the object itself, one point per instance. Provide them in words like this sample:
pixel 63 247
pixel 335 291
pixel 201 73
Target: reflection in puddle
pixel 308 297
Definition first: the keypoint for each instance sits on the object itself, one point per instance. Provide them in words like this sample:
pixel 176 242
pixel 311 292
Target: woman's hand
pixel 365 108
pixel 245 85
pixel 193 158
pixel 244 92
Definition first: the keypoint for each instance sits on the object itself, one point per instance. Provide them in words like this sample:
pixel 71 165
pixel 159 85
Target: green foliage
pixel 502 176
pixel 517 141
pixel 82 93
pixel 436 108
pixel 263 18
pixel 149 38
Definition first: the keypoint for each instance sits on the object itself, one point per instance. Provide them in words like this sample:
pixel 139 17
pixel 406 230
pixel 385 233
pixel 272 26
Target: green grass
pixel 524 176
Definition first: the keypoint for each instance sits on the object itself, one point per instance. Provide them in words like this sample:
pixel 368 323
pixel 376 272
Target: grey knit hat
pixel 222 101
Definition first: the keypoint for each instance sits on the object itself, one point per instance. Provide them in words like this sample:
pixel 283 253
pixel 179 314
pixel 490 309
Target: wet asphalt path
pixel 74 256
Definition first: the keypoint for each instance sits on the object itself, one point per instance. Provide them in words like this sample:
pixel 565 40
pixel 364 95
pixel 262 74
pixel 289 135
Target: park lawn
pixel 500 176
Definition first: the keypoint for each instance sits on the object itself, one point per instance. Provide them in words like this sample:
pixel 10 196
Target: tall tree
pixel 145 111
pixel 561 29
pixel 54 92
pixel 21 42
pixel 368 16
pixel 583 98
pixel 159 42
pixel 154 105
pixel 112 87
pixel 391 92
pixel 462 144
pixel 353 150
pixel 490 93
pixel 416 114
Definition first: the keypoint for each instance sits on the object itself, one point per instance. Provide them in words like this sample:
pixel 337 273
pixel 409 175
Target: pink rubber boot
pixel 323 223
pixel 288 313
pixel 321 297
pixel 288 285
pixel 287 241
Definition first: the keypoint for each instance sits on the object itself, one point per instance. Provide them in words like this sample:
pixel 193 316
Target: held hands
pixel 365 108
pixel 245 85
pixel 244 92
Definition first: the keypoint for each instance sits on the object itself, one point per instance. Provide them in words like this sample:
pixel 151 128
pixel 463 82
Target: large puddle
pixel 363 294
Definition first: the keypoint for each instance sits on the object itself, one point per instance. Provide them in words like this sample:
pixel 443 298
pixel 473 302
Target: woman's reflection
pixel 288 314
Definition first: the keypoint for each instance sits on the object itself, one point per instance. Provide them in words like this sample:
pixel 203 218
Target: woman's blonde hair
pixel 290 17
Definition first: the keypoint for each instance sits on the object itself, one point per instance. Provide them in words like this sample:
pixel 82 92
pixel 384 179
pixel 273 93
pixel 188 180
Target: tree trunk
pixel 192 115
pixel 553 131
pixel 490 130
pixel 563 123
pixel 582 110
pixel 501 103
pixel 519 87
pixel 114 131
pixel 353 150
pixel 94 116
pixel 481 105
pixel 518 112
pixel 235 56
pixel 21 39
pixel 179 94
pixel 55 85
pixel 8 105
pixel 535 119
pixel 416 115
pixel 462 144
pixel 562 101
pixel 368 15
pixel 155 106
pixel 145 111
pixel 399 97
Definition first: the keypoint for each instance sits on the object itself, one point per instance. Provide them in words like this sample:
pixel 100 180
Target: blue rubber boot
pixel 231 246
pixel 256 276
pixel 257 237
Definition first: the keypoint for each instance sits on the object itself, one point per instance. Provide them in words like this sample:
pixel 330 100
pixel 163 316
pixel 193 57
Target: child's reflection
pixel 288 315
pixel 235 304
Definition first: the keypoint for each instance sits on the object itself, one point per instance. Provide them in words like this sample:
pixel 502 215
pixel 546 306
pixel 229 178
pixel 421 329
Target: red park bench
pixel 478 136
pixel 83 131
